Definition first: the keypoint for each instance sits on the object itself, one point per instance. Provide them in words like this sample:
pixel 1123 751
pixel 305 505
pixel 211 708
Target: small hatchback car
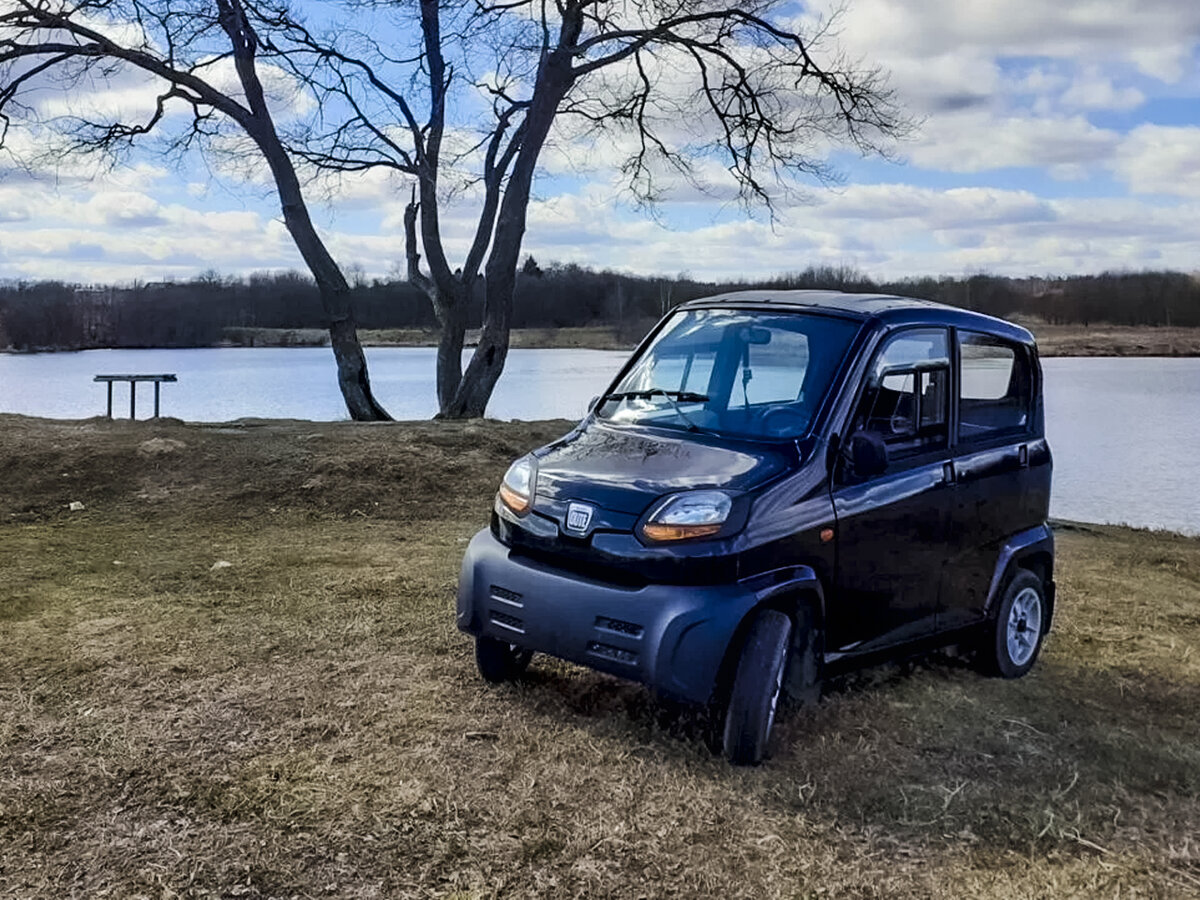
pixel 778 486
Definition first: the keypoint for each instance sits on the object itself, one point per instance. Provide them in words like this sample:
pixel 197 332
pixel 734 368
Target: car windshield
pixel 741 373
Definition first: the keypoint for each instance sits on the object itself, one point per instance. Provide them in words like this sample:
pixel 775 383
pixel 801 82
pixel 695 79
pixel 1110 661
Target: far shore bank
pixel 1053 340
pixel 1099 340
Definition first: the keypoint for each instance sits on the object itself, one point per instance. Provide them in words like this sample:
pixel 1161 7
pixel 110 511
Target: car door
pixel 1001 468
pixel 891 526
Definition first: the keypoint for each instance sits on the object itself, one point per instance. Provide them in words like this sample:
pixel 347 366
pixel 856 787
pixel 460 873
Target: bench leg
pixel 156 387
pixel 110 399
pixel 132 400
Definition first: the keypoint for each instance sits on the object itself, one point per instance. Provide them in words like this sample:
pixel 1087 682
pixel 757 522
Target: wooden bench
pixel 133 380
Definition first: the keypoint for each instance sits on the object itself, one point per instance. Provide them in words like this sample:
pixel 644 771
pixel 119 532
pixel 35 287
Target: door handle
pixel 1023 455
pixel 948 473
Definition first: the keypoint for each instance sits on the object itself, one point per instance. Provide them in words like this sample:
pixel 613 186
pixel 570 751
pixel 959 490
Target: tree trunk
pixel 335 297
pixel 331 283
pixel 352 372
pixel 475 389
pixel 453 319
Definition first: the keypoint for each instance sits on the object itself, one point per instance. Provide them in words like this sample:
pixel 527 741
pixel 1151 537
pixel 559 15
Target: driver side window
pixel 906 396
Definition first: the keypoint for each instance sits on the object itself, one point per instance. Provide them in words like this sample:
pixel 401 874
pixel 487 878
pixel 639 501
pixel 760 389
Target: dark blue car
pixel 780 485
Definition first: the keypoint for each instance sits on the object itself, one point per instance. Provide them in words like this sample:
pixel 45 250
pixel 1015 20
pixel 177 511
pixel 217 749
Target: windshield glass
pixel 743 373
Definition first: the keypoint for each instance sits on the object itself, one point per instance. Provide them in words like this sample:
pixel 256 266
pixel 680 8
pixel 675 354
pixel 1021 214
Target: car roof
pixel 888 310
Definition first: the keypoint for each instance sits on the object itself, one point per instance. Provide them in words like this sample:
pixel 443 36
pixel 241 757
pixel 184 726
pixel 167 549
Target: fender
pixel 1039 539
pixel 803 679
pixel 770 586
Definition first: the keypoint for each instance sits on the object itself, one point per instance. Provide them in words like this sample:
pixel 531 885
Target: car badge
pixel 579 517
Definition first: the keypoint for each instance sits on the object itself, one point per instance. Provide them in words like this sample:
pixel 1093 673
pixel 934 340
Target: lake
pixel 1125 432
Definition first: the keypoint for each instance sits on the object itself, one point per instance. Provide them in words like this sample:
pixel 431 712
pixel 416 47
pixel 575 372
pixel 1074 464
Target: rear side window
pixel 995 390
pixel 904 400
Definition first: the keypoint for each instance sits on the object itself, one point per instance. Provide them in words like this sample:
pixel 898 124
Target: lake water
pixel 1125 432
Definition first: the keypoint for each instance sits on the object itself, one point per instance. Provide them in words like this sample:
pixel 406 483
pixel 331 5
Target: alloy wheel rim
pixel 1024 626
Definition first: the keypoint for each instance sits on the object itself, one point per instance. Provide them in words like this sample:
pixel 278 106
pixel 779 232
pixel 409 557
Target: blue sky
pixel 1054 139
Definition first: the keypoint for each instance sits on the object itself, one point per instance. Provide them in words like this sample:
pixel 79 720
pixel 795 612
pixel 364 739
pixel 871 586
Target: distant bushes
pixel 200 312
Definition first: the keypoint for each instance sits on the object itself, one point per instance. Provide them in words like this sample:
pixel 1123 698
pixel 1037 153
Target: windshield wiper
pixel 682 396
pixel 672 397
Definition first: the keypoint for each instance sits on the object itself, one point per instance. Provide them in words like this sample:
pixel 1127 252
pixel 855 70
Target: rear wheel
pixel 500 661
pixel 1014 639
pixel 757 684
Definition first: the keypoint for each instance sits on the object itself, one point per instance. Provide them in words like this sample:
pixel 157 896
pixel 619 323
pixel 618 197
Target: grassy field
pixel 590 337
pixel 234 673
pixel 1115 340
pixel 1053 340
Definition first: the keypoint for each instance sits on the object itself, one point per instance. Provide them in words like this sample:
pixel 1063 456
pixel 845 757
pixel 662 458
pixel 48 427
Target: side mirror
pixel 868 454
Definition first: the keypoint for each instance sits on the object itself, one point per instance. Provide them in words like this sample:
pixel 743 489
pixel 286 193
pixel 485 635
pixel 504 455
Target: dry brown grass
pixel 1115 340
pixel 591 337
pixel 307 722
pixel 1053 340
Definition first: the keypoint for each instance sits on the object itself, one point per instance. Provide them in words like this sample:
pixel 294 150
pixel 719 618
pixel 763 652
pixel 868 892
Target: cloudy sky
pixel 1055 138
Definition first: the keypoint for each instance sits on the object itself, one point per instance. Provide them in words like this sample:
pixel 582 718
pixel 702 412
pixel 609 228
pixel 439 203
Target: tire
pixel 499 661
pixel 756 687
pixel 1014 637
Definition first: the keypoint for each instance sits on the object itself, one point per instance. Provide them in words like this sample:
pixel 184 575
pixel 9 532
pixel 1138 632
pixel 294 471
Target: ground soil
pixel 231 670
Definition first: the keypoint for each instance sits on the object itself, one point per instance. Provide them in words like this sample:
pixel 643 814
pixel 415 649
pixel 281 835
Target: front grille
pixel 504 595
pixel 629 629
pixel 504 620
pixel 611 576
pixel 607 651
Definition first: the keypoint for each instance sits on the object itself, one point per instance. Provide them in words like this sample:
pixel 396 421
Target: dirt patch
pixel 244 469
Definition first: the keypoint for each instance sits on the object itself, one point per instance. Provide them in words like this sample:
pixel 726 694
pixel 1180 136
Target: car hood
pixel 626 468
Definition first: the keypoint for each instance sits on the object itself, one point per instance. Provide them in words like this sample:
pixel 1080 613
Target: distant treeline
pixel 195 313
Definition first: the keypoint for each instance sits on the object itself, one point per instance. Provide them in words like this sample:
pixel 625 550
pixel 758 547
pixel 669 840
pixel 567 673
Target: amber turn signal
pixel 514 501
pixel 659 532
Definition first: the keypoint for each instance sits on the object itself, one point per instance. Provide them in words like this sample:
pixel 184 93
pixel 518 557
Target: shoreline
pixel 1054 341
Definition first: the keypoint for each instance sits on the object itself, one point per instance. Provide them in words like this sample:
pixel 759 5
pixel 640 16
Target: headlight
pixel 691 515
pixel 516 490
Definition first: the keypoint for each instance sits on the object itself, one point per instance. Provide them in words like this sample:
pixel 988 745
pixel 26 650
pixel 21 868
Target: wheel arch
pixel 799 594
pixel 1032 550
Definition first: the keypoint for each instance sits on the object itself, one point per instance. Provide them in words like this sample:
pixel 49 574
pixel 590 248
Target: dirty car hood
pixel 626 468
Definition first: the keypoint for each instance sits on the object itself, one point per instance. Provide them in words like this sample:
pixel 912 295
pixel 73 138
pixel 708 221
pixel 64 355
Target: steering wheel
pixel 780 421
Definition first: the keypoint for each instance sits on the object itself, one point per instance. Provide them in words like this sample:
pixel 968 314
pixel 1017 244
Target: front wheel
pixel 757 684
pixel 500 661
pixel 1015 637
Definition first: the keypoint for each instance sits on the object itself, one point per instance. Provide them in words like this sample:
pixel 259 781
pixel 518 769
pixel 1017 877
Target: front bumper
pixel 672 638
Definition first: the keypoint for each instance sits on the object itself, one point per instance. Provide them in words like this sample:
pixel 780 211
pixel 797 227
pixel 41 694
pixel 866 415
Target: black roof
pixel 888 309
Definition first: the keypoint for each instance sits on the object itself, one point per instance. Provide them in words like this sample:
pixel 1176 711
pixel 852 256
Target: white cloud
pixel 977 141
pixel 1155 35
pixel 1003 85
pixel 890 230
pixel 1094 90
pixel 1157 159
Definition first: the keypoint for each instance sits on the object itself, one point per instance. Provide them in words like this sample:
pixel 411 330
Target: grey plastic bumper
pixel 670 637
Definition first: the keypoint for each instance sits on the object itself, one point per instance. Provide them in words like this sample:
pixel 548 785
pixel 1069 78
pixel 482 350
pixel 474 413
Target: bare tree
pixel 681 85
pixel 182 44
